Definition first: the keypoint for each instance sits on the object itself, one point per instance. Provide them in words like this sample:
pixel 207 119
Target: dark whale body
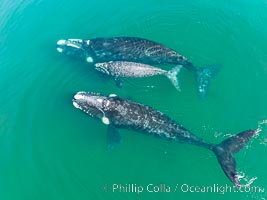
pixel 122 113
pixel 135 50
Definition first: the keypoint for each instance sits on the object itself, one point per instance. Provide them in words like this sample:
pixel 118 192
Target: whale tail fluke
pixel 203 78
pixel 225 150
pixel 172 75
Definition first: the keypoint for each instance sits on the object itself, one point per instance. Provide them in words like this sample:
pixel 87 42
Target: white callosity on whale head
pixel 107 103
pixel 73 45
pixel 60 50
pixel 61 42
pixel 76 40
pixel 100 100
pixel 102 67
pixel 112 95
pixel 78 96
pixel 75 104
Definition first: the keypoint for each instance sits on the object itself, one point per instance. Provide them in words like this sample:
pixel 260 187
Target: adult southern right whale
pixel 133 49
pixel 122 113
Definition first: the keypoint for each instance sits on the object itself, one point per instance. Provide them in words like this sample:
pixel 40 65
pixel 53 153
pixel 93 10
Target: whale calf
pixel 133 49
pixel 121 69
pixel 117 113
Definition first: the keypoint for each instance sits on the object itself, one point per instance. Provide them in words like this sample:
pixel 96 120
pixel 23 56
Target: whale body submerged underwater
pixel 117 112
pixel 121 69
pixel 133 49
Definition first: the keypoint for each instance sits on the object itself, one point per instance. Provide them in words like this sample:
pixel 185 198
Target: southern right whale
pixel 122 113
pixel 133 49
pixel 121 69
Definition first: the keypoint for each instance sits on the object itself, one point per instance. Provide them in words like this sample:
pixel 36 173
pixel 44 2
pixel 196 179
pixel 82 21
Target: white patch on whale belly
pixel 60 50
pixel 61 42
pixel 89 59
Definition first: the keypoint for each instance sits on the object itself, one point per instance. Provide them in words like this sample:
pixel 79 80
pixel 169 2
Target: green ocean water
pixel 50 150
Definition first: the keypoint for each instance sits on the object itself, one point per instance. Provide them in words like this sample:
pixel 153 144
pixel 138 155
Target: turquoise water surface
pixel 50 150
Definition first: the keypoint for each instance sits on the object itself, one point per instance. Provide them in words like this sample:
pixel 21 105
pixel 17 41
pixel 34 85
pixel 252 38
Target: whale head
pixel 91 103
pixel 72 47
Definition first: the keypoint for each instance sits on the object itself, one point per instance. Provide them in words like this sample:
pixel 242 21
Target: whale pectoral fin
pixel 118 82
pixel 203 79
pixel 113 137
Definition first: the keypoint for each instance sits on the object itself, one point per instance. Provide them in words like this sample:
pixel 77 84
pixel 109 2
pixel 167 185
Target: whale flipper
pixel 225 150
pixel 113 137
pixel 203 78
pixel 118 82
